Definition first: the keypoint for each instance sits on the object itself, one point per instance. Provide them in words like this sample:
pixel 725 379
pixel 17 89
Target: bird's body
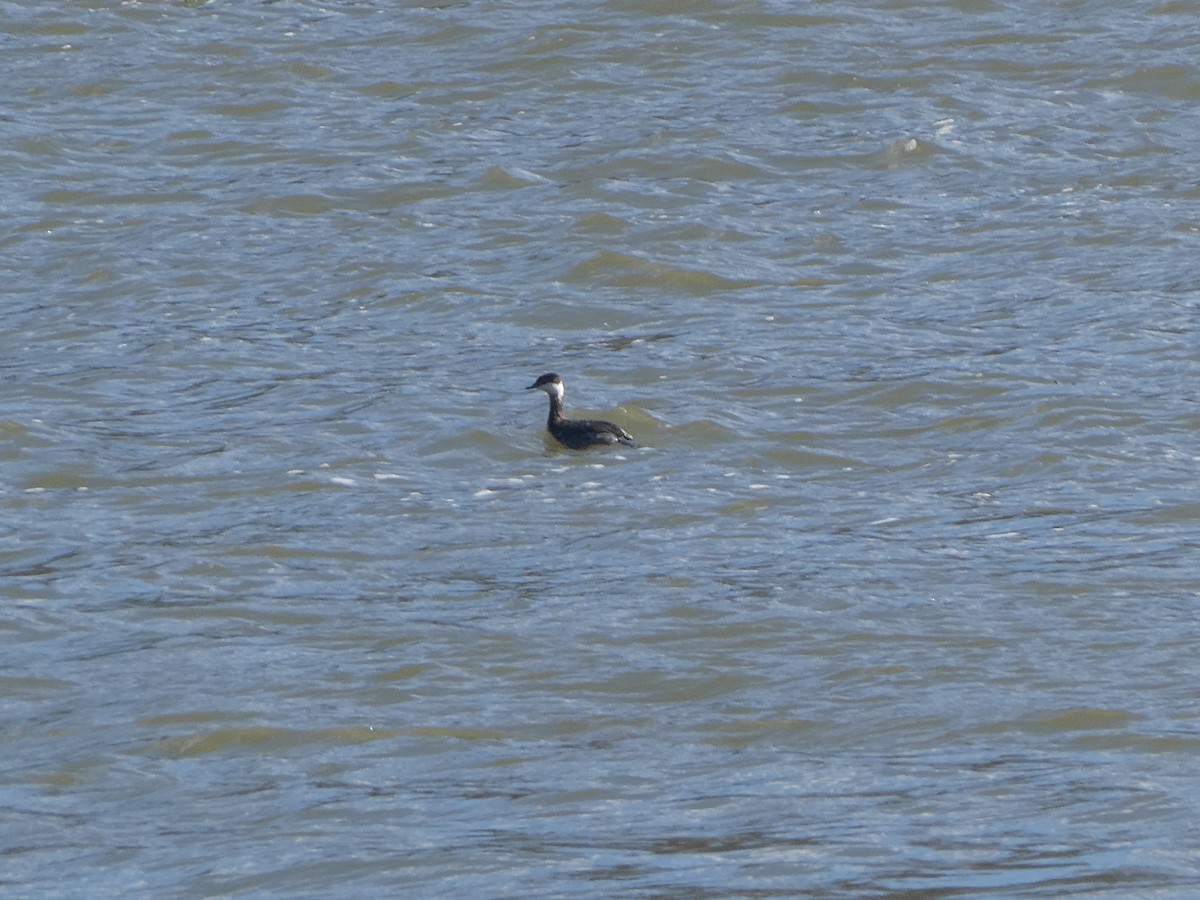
pixel 576 434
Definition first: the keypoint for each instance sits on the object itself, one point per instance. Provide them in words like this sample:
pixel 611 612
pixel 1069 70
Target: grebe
pixel 578 434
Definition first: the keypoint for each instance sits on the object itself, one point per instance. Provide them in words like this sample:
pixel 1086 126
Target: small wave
pixel 628 271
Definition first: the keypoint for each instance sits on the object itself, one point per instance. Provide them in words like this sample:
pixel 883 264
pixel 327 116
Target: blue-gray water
pixel 897 597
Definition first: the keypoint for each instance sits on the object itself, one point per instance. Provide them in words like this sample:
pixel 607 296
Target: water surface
pixel 895 597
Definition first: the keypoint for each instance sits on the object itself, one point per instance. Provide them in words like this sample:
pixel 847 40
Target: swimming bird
pixel 577 434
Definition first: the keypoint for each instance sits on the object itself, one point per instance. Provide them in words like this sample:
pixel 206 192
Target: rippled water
pixel 896 596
